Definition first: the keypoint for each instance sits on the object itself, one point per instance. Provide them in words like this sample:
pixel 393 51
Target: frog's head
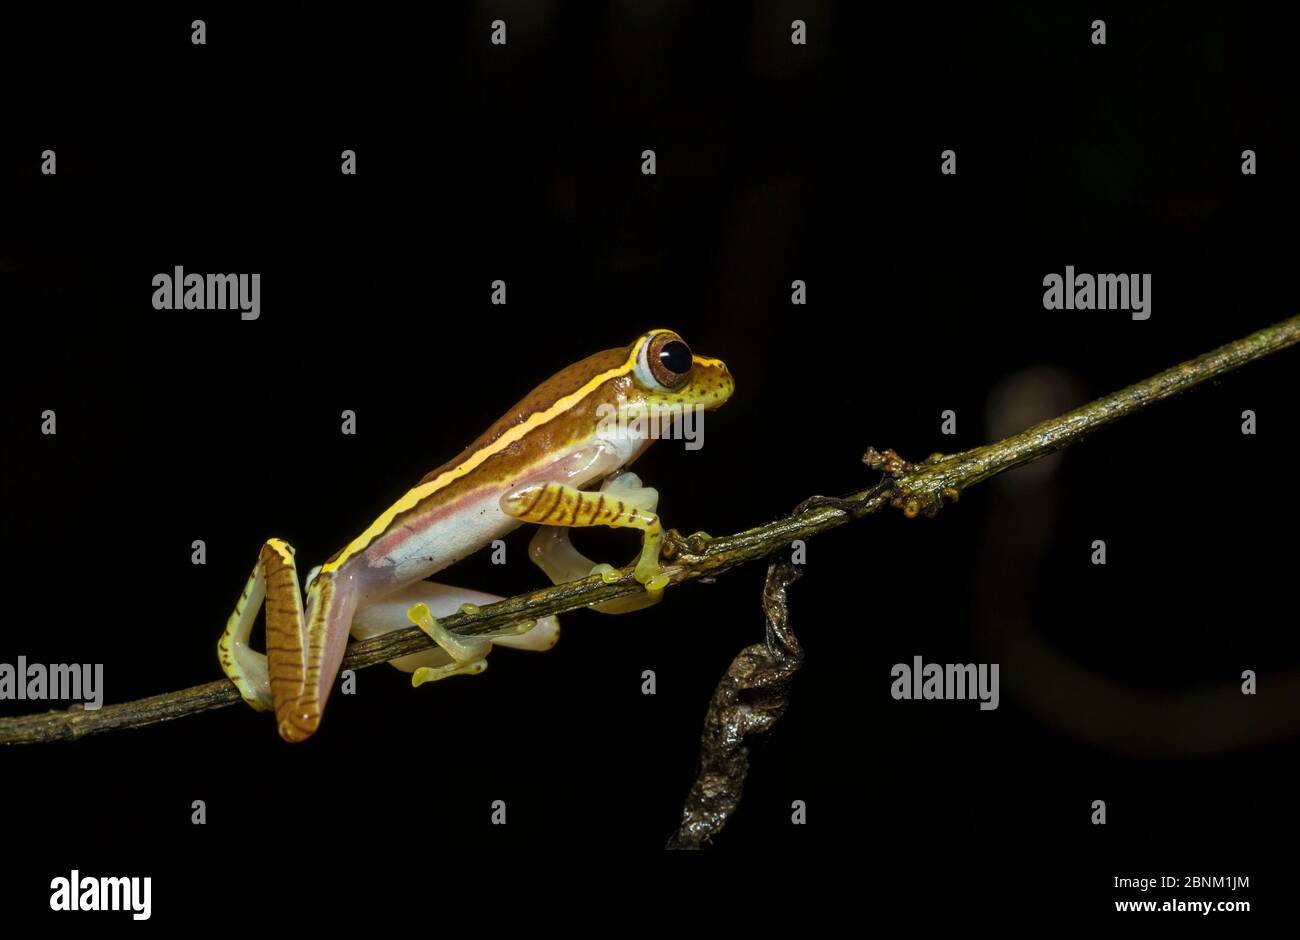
pixel 667 375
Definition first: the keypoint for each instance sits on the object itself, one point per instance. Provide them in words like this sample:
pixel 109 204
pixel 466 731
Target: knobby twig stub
pixel 749 700
pixel 916 488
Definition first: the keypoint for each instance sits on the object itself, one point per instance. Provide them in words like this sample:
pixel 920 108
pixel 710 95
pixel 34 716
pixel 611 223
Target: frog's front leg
pixel 621 502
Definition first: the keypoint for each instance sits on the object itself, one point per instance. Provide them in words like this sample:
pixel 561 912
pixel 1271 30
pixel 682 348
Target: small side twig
pixel 749 700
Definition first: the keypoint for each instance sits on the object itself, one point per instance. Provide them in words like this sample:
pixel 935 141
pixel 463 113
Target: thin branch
pixel 915 488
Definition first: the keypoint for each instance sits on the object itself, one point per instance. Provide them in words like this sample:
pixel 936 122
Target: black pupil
pixel 675 357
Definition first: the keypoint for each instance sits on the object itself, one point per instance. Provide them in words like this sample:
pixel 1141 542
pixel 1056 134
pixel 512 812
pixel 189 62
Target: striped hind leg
pixel 244 665
pixel 303 649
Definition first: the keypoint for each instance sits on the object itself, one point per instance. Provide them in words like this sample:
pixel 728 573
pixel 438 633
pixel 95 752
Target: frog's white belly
pixel 429 541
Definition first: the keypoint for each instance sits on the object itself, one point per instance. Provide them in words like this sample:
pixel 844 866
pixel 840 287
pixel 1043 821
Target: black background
pixel 775 162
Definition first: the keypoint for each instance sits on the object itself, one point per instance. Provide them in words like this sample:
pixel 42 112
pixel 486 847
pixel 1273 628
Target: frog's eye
pixel 665 362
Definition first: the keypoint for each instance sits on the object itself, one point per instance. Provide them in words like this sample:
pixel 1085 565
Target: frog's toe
pixel 654 578
pixel 608 573
pixel 433 674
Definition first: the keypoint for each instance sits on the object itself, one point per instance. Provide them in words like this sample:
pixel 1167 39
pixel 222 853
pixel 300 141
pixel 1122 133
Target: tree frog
pixel 578 427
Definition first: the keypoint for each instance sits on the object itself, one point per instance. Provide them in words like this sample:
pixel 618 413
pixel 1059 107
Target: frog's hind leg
pixel 552 550
pixel 303 646
pixel 244 665
pixel 455 655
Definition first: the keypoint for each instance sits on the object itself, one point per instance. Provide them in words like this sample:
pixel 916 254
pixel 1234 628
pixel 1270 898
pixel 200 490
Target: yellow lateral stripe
pixel 414 496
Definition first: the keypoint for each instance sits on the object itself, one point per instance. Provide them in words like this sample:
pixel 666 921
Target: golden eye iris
pixel 670 360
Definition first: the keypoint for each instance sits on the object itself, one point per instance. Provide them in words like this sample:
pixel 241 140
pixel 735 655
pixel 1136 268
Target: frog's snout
pixel 713 382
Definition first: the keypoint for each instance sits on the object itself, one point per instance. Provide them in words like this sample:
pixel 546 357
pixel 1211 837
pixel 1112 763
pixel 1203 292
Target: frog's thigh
pixel 389 613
